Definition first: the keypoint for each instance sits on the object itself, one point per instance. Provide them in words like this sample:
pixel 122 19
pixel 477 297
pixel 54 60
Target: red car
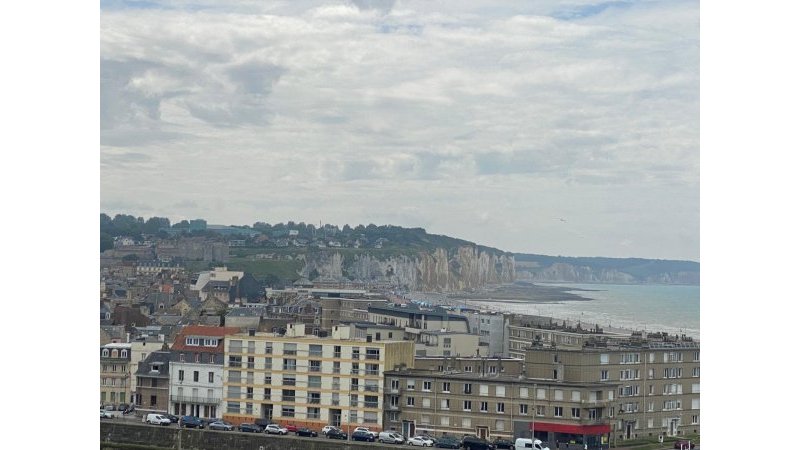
pixel 683 444
pixel 291 428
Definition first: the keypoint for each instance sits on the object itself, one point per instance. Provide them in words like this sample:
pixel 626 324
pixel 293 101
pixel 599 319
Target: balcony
pixel 370 404
pixel 371 372
pixel 371 388
pixel 313 401
pixel 375 357
pixel 194 399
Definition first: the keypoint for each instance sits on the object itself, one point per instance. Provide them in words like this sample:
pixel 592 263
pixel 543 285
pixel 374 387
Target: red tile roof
pixel 203 331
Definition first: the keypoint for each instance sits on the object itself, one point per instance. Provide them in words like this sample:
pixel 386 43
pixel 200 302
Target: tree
pixel 106 241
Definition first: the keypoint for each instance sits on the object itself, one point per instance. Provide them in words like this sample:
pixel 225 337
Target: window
pixel 354 416
pixel 289 364
pixel 313 398
pixel 558 394
pixel 558 411
pixel 153 400
pixel 233 407
pixel 409 401
pixel 410 385
pixel 467 405
pixel 541 394
pixel 492 369
pixel 540 410
pixel 314 366
pixel 523 409
pixel 604 358
pixel 355 369
pixel 603 375
pixel 501 407
pixel 629 358
pixel 395 384
pixel 267 393
pixel 500 425
pixel 500 391
pixel 313 413
pixel 695 372
pixel 576 413
pixel 354 384
pixel 466 422
pixel 468 388
pixel 483 389
pixel 467 368
pixel 356 353
pixel 576 396
pixel 672 404
pixel 268 348
pixel 695 418
pixel 523 392
pixel 290 349
pixel 314 381
pixel 287 411
pixel 446 386
pixel 592 414
pixel 337 367
pixel 249 393
pixel 180 375
pixel 673 357
pixel 373 353
pixel 674 372
pixel 287 395
pixel 124 354
pixel 426 386
pixel 234 361
pixel 371 401
pixel 445 421
pixel 196 376
pixel 371 369
pixel 289 380
pixel 315 350
pixel 445 404
pixel 696 357
pixel 484 407
pixel 337 351
pixel 251 362
pixel 105 353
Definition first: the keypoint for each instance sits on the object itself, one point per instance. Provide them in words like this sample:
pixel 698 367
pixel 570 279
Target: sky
pixel 552 127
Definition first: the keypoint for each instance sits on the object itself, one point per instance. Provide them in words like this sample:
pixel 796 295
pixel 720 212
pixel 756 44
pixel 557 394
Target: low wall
pixel 135 436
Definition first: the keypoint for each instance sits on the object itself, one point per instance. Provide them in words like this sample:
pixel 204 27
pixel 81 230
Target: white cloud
pixel 358 110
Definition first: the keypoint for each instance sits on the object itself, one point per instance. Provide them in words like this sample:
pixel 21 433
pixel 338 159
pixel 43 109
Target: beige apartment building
pixel 525 331
pixel 307 380
pixel 115 374
pixel 496 405
pixel 658 378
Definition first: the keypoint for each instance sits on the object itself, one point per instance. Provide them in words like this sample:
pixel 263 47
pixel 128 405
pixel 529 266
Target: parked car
pixel 448 442
pixel 157 419
pixel 526 443
pixel 472 442
pixel 291 428
pixel 274 428
pixel 500 443
pixel 336 434
pixel 390 437
pixel 191 422
pixel 328 428
pixel 683 444
pixel 303 431
pixel 428 437
pixel 173 419
pixel 105 414
pixel 208 421
pixel 365 429
pixel 220 425
pixel 250 428
pixel 420 441
pixel 123 407
pixel 361 435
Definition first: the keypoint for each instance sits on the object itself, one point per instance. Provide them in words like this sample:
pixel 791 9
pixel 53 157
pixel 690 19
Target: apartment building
pixel 152 383
pixel 497 405
pixel 115 373
pixel 448 343
pixel 658 378
pixel 491 328
pixel 140 349
pixel 414 317
pixel 335 310
pixel 472 364
pixel 308 380
pixel 195 376
pixel 524 331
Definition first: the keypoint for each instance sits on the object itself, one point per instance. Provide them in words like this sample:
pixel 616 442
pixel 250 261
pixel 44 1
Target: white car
pixel 275 429
pixel 419 441
pixel 365 429
pixel 157 419
pixel 105 415
pixel 327 428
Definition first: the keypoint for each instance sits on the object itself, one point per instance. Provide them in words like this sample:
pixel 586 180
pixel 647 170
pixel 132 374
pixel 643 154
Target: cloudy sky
pixel 554 127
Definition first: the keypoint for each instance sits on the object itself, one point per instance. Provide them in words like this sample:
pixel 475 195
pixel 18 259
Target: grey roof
pixel 246 312
pixel 159 358
pixel 412 309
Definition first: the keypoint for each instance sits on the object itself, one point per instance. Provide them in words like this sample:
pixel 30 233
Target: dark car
pixel 471 442
pixel 302 431
pixel 447 442
pixel 250 428
pixel 683 444
pixel 122 407
pixel 337 434
pixel 502 444
pixel 173 419
pixel 361 436
pixel 191 422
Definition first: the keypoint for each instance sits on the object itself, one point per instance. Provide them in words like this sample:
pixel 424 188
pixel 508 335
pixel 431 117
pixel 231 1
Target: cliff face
pixel 568 273
pixel 464 268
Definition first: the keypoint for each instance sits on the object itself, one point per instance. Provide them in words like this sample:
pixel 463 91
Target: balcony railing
pixel 315 369
pixel 370 356
pixel 313 401
pixel 194 399
pixel 371 388
pixel 371 404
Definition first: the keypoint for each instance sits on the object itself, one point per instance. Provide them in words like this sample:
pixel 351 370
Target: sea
pixel 654 308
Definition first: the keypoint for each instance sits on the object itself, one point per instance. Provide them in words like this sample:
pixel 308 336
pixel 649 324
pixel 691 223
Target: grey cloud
pixel 383 6
pixel 120 102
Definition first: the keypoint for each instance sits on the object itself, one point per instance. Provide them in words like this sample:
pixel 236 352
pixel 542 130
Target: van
pixel 525 443
pixel 157 419
pixel 390 437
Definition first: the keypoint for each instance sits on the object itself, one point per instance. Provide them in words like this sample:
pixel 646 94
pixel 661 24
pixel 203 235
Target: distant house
pixel 152 383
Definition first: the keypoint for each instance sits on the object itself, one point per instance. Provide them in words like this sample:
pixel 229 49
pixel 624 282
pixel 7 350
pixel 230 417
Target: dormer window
pixel 211 342
pixel 113 353
pixel 193 341
pixel 105 353
pixel 124 354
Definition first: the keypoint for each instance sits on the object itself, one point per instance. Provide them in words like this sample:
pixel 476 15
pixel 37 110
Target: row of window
pixel 634 374
pixel 291 365
pixel 635 358
pixel 313 350
pixel 195 341
pixel 115 368
pixel 105 353
pixel 195 376
pixel 113 382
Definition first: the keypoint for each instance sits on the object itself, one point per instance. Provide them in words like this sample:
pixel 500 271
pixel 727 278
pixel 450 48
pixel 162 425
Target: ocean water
pixel 674 309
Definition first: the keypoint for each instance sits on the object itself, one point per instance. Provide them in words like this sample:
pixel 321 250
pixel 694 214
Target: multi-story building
pixel 497 405
pixel 658 380
pixel 413 317
pixel 152 383
pixel 115 373
pixel 524 331
pixel 308 380
pixel 491 328
pixel 448 343
pixel 336 310
pixel 472 364
pixel 140 348
pixel 195 375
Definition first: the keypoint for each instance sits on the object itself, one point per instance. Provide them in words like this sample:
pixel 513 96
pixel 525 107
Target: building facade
pixel 658 380
pixel 152 383
pixel 115 374
pixel 497 406
pixel 195 375
pixel 307 380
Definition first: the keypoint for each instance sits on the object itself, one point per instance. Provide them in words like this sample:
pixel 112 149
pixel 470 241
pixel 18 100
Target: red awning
pixel 571 429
